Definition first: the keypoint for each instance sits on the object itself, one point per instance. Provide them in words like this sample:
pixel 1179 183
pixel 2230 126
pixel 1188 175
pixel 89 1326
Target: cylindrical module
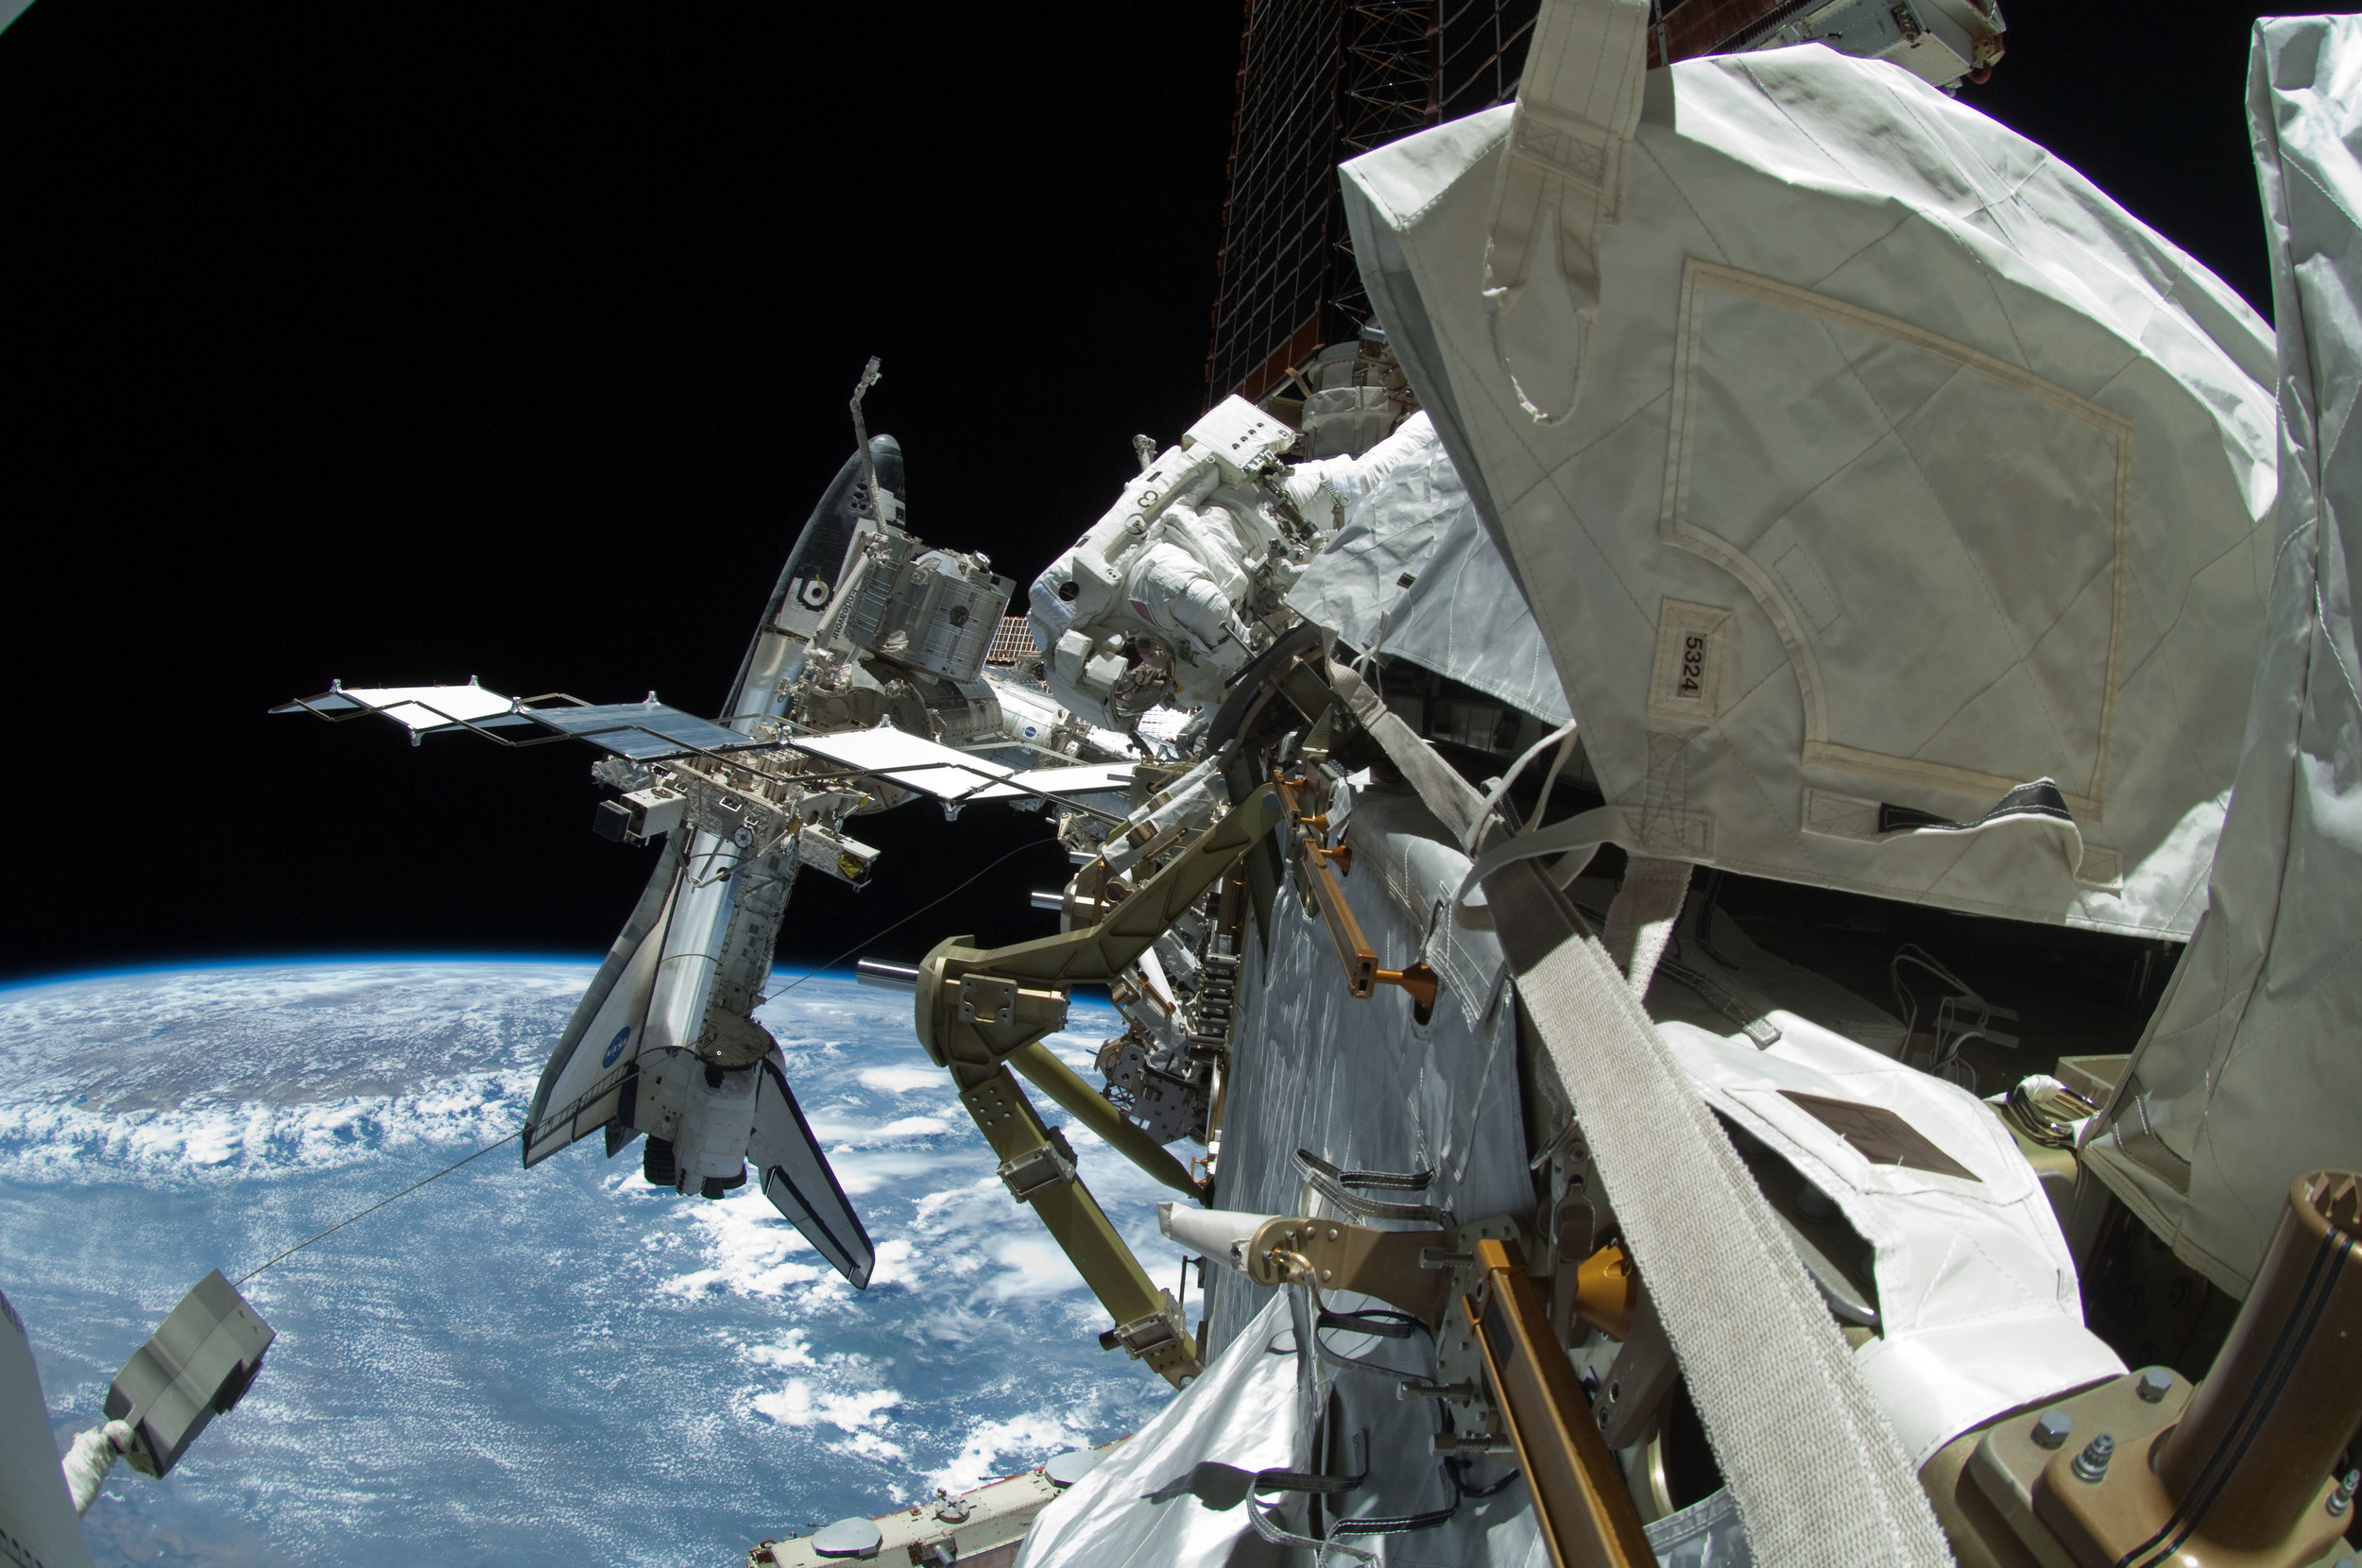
pixel 2285 1392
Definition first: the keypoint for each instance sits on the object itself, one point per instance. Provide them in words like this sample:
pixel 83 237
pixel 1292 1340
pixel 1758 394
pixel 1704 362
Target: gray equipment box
pixel 199 1364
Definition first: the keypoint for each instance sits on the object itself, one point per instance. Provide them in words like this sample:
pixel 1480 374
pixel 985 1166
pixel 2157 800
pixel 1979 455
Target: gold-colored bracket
pixel 1607 1290
pixel 1412 1270
pixel 1580 1498
pixel 1336 1255
pixel 1063 1084
pixel 1359 960
pixel 1006 998
pixel 982 1012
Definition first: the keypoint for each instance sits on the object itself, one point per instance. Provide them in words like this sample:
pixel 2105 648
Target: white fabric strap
pixel 1640 921
pixel 1465 814
pixel 1819 1476
pixel 1561 180
pixel 1576 838
pixel 1563 738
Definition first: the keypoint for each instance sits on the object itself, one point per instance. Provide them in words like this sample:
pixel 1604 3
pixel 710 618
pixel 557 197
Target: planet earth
pixel 561 1365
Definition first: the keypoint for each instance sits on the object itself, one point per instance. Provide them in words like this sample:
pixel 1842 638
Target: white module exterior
pixel 1850 452
pixel 36 1511
pixel 1406 512
pixel 2246 1079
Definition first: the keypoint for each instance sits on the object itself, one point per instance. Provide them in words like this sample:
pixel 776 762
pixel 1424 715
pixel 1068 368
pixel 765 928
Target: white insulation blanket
pixel 1360 1082
pixel 2246 1078
pixel 1977 1301
pixel 1412 573
pixel 1245 1411
pixel 1853 453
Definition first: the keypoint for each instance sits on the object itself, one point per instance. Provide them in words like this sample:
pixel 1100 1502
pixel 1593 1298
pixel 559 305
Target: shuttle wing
pixel 581 1089
pixel 797 1178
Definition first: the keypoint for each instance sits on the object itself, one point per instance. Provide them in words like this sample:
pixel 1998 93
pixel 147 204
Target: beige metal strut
pixel 982 1012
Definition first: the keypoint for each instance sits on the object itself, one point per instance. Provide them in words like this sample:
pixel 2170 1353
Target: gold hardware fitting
pixel 1580 1499
pixel 1354 952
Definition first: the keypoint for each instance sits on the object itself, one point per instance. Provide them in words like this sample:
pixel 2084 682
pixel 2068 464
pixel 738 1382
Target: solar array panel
pixel 644 732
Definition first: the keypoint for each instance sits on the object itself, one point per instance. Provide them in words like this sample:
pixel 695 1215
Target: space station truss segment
pixel 644 732
pixel 651 731
pixel 1480 53
pixel 927 767
pixel 1012 643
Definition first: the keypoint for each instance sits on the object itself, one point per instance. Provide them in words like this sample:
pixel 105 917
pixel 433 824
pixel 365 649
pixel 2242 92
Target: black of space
pixel 405 344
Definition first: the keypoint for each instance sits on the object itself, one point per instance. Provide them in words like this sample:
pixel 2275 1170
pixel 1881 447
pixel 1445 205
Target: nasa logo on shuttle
pixel 815 593
pixel 615 1047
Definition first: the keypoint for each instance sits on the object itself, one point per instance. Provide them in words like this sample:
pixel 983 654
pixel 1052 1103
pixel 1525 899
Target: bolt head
pixel 2052 1428
pixel 2154 1385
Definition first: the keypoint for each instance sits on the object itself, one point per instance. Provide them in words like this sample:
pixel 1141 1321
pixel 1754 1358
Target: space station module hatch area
pixel 1788 549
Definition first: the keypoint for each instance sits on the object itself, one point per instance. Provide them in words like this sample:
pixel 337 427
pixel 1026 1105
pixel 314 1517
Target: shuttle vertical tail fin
pixel 797 1178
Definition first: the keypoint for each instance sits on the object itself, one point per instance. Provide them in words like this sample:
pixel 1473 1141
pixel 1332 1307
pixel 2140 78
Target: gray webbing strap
pixel 1452 799
pixel 1461 809
pixel 1640 921
pixel 1818 1475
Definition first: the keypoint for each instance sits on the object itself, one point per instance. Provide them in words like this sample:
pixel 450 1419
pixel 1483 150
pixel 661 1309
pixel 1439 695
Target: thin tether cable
pixel 380 1204
pixel 512 1137
pixel 922 909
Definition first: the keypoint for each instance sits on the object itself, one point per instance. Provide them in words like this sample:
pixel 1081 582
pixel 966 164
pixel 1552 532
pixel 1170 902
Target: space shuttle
pixel 663 1045
pixel 864 686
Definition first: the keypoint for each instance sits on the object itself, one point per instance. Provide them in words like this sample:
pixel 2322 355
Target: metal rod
pixel 886 977
pixel 2252 1455
pixel 861 440
pixel 1353 949
pixel 1580 1499
pixel 1089 1107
